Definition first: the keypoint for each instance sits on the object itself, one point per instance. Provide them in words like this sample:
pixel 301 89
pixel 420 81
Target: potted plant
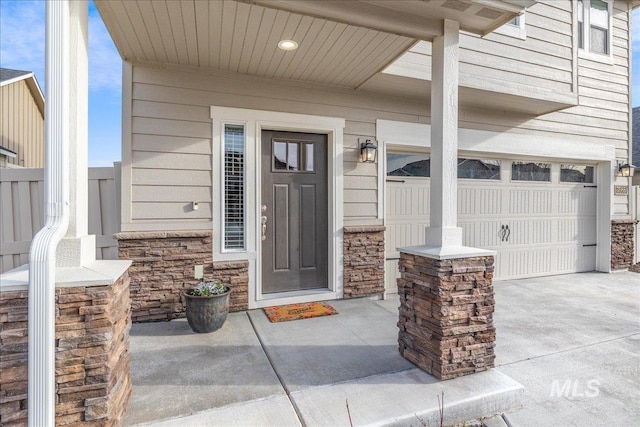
pixel 207 306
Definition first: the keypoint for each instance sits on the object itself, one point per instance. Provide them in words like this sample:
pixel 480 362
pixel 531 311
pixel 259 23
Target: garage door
pixel 540 217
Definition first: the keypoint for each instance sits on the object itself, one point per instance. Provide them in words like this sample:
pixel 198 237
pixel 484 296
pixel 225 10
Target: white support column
pixel 42 259
pixel 78 248
pixel 443 230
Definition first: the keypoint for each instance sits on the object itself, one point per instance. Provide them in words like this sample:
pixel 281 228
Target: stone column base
pixel 164 266
pixel 363 261
pixel 622 242
pixel 446 314
pixel 92 372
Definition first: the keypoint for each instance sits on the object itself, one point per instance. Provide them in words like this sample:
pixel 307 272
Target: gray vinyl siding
pixel 171 125
pixel 171 136
pixel 21 125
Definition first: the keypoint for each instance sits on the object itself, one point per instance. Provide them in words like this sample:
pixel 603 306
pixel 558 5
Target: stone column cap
pixel 446 252
pixel 97 273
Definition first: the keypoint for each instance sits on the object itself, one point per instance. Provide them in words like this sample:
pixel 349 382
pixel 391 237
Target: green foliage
pixel 206 289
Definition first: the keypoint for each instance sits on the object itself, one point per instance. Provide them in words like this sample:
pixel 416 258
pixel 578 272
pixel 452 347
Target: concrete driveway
pixel 573 341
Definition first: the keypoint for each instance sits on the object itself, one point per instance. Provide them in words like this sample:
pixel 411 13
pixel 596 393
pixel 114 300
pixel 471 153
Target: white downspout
pixel 42 255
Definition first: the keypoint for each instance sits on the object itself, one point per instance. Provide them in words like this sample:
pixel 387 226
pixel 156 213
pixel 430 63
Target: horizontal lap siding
pixel 171 128
pixel 171 137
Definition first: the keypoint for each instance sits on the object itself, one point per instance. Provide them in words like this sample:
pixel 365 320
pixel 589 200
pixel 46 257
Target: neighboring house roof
pixel 6 152
pixel 9 76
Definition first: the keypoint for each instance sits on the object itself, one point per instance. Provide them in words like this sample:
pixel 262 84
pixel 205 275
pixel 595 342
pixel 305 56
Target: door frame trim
pixel 255 121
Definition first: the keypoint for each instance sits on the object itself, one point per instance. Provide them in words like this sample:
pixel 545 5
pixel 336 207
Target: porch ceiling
pixel 341 43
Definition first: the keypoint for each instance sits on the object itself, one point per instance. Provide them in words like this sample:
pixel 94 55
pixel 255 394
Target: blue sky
pixel 22 47
pixel 22 33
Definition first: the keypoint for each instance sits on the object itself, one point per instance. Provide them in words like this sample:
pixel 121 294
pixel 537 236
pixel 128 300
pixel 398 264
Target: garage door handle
pixel 508 233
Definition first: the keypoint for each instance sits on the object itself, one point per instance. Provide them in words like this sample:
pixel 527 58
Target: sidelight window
pixel 234 187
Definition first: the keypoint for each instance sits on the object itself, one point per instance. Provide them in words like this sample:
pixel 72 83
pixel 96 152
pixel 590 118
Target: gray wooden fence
pixel 635 214
pixel 22 212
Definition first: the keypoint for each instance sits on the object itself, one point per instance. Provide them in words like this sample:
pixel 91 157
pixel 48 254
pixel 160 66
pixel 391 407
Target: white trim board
pixel 255 121
pixel 514 144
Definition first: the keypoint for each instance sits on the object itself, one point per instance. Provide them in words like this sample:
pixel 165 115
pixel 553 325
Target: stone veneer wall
pixel 93 383
pixel 163 267
pixel 363 261
pixel 446 314
pixel 622 238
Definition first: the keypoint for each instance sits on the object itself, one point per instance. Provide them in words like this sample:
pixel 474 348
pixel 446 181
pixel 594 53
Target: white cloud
pixel 22 36
pixel 22 44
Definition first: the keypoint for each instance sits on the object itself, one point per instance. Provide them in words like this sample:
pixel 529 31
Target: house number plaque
pixel 620 190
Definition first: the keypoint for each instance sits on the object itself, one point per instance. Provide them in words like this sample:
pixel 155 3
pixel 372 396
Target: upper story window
pixel 594 26
pixel 514 28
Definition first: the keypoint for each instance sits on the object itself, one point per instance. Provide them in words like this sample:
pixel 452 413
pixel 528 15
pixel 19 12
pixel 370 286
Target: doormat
pixel 285 313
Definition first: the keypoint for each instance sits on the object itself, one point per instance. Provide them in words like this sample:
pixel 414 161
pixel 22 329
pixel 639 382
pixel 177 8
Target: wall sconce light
pixel 368 151
pixel 625 169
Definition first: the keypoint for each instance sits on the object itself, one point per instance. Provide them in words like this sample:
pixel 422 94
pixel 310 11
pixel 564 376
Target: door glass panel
pixel 576 173
pixel 478 169
pixel 408 165
pixel 280 155
pixel 292 157
pixel 530 171
pixel 309 162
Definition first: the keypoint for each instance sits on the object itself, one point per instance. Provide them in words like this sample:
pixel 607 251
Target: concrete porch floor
pixel 582 328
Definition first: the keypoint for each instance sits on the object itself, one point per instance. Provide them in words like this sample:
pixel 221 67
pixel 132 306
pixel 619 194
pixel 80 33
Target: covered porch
pixel 252 372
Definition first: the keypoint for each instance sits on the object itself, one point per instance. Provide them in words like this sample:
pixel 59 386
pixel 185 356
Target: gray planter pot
pixel 207 314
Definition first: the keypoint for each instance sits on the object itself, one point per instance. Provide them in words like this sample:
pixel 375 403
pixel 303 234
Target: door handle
pixel 263 221
pixel 508 233
pixel 502 233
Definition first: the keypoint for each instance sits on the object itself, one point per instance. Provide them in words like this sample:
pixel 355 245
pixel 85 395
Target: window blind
pixel 234 172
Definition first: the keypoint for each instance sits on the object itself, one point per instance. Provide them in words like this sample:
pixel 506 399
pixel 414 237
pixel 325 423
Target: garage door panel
pixel 481 235
pixel 575 258
pixel 404 234
pixel 540 231
pixel 582 230
pixel 549 223
pixel 579 201
pixel 467 201
pixel 407 199
pixel 490 201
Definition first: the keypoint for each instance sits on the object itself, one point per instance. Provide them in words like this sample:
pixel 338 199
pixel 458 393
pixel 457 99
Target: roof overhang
pixel 7 152
pixel 342 43
pixel 420 20
pixel 34 87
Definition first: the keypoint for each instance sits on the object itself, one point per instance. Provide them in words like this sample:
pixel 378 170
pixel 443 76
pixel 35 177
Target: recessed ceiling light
pixel 287 45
